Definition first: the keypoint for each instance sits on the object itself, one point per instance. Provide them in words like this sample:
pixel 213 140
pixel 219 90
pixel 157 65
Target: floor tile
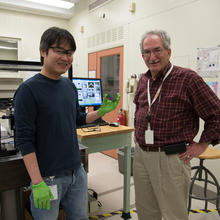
pixel 104 177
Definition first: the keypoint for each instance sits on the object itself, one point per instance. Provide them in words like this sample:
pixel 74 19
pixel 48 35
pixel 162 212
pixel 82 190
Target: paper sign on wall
pixel 208 62
pixel 92 74
pixel 213 86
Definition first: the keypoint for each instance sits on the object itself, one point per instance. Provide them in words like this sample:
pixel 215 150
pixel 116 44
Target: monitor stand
pixel 83 109
pixel 96 107
pixel 99 120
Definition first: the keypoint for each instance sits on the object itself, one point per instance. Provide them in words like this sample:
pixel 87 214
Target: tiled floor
pixel 104 177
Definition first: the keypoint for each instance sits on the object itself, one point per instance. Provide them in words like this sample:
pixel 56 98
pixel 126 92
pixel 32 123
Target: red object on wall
pixel 121 117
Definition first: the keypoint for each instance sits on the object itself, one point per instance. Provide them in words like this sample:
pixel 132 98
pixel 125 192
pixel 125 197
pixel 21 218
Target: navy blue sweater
pixel 46 114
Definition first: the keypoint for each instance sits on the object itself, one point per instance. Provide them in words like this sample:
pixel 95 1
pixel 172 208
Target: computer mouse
pixel 114 124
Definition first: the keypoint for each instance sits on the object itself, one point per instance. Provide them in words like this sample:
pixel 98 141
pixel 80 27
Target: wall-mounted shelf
pixel 16 65
pixel 9 84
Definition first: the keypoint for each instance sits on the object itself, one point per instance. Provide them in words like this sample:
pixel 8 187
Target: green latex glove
pixel 42 195
pixel 108 105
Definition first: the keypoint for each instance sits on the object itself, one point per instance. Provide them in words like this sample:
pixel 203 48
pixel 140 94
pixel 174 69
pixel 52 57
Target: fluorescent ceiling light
pixel 55 3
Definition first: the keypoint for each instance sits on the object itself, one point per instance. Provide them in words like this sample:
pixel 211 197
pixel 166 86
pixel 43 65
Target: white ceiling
pixel 40 9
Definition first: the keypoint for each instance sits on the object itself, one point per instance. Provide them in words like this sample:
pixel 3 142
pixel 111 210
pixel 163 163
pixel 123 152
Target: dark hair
pixel 55 35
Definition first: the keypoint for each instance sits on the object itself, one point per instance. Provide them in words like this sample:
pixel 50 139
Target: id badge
pixel 53 189
pixel 149 136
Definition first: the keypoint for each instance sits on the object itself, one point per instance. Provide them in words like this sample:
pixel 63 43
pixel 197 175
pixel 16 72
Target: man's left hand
pixel 193 150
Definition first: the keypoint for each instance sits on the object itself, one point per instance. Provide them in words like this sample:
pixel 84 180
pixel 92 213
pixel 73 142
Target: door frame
pixel 94 63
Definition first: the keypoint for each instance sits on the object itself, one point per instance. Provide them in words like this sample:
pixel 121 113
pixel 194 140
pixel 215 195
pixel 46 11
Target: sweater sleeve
pixel 25 112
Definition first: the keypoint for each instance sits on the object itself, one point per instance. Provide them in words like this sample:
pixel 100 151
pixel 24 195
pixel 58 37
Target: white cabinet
pixel 10 78
pixel 8 86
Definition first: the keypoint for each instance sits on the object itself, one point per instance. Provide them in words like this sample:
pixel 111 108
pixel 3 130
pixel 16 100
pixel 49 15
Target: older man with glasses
pixel 169 102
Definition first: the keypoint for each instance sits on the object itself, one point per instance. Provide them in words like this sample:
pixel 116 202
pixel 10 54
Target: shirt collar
pixel 161 74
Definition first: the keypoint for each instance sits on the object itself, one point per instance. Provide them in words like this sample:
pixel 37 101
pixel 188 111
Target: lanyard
pixel 158 91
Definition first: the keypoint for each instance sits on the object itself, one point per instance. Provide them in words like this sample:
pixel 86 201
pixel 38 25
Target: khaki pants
pixel 161 185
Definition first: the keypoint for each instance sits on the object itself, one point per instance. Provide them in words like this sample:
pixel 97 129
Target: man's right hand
pixel 108 105
pixel 42 195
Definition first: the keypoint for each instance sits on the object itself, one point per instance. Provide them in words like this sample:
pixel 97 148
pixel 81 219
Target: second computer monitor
pixel 89 91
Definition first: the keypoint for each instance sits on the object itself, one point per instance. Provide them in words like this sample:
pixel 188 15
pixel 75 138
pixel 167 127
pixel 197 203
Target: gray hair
pixel 162 34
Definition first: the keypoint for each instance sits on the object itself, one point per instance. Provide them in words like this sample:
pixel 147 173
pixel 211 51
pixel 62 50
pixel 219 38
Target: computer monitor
pixel 89 91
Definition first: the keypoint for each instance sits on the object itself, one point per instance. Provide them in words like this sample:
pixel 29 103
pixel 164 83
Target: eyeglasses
pixel 61 52
pixel 156 51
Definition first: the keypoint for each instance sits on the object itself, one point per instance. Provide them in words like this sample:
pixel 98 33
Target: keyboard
pixel 98 122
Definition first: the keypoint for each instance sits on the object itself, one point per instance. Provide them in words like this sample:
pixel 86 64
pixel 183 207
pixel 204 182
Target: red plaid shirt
pixel 183 99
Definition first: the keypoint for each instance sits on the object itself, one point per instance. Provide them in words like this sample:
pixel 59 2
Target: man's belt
pixel 169 149
pixel 152 148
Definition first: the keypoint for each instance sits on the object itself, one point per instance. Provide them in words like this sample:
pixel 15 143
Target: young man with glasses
pixel 169 102
pixel 46 115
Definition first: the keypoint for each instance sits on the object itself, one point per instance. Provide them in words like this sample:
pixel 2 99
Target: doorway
pixel 108 65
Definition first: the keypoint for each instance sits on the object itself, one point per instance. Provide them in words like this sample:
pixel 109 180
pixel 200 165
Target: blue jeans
pixel 72 194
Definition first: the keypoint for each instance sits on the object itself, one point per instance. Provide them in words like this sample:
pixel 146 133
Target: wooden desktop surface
pixel 105 131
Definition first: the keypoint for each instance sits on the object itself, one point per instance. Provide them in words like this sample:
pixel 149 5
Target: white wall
pixel 191 24
pixel 28 28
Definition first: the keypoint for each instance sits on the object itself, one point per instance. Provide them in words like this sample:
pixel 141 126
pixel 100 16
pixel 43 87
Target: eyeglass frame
pixel 62 51
pixel 156 51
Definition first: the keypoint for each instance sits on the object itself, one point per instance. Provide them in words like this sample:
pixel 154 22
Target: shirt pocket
pixel 170 107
